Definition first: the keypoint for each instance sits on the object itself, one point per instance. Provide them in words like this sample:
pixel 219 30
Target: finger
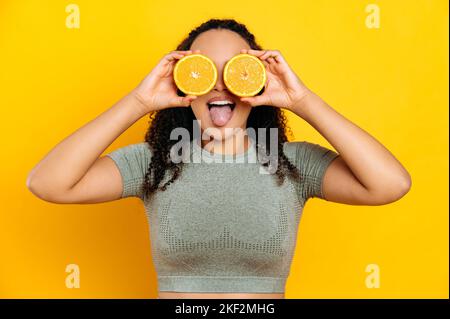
pixel 265 55
pixel 182 101
pixel 274 54
pixel 257 53
pixel 177 54
pixel 191 97
pixel 174 56
pixel 183 51
pixel 279 57
pixel 268 55
pixel 256 100
pixel 169 63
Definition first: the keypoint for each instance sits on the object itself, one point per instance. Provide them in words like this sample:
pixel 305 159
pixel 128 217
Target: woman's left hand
pixel 283 88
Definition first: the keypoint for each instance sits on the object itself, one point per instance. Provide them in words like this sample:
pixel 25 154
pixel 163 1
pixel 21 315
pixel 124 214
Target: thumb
pixel 183 101
pixel 256 100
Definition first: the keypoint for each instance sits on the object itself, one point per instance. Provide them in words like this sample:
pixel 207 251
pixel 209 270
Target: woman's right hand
pixel 94 178
pixel 158 90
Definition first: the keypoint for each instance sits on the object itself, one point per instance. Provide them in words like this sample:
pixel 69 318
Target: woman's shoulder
pixel 300 149
pixel 138 151
pixel 143 147
pixel 294 145
pixel 291 148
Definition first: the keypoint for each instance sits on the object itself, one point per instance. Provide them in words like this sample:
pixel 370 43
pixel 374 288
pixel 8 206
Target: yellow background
pixel 391 81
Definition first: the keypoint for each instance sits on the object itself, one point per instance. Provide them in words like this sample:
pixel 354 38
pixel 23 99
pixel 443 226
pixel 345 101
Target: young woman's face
pixel 220 46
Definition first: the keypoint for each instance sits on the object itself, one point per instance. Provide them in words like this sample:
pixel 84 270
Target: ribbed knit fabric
pixel 224 226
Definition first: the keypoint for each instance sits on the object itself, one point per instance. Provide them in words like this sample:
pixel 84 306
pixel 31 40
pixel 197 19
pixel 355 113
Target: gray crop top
pixel 221 226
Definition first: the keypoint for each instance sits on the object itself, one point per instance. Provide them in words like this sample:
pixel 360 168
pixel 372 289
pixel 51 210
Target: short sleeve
pixel 312 160
pixel 132 161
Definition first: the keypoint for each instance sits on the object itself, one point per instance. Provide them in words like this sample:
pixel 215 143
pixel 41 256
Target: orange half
pixel 244 75
pixel 195 74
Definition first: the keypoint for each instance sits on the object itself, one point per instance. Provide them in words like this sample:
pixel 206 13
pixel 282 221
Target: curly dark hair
pixel 162 122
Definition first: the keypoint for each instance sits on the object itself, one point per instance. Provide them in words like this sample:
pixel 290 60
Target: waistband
pixel 224 284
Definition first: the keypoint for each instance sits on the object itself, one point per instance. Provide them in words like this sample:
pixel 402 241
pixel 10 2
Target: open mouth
pixel 214 104
pixel 221 112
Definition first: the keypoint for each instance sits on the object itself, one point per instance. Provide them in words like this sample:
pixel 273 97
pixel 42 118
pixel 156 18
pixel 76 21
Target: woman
pixel 221 229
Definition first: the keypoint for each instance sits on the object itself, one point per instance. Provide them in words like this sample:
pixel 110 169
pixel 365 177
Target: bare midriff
pixel 190 295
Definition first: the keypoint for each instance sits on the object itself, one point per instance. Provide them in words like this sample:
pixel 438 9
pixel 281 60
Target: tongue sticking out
pixel 220 115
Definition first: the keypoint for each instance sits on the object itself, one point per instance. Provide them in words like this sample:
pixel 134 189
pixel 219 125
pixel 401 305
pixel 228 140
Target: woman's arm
pixel 365 173
pixel 73 172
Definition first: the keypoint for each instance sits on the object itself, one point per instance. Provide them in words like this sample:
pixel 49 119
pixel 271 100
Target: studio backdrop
pixel 383 64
